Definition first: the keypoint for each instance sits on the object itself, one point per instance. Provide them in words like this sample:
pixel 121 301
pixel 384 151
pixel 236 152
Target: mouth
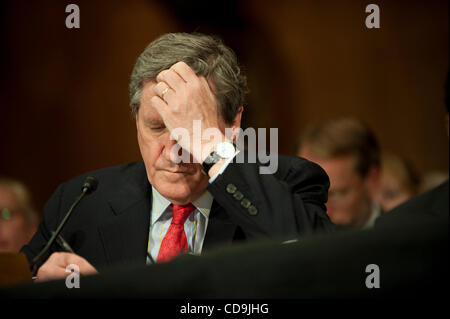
pixel 182 169
pixel 175 172
pixel 178 171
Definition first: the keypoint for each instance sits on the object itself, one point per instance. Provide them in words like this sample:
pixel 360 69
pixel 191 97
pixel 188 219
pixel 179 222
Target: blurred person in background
pixel 349 153
pixel 433 203
pixel 18 218
pixel 399 181
pixel 434 178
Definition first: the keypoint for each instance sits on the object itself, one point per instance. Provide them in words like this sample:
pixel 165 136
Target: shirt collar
pixel 375 213
pixel 159 204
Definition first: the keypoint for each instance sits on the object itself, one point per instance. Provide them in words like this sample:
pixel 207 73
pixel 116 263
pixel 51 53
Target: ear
pixel 236 124
pixel 138 131
pixel 136 117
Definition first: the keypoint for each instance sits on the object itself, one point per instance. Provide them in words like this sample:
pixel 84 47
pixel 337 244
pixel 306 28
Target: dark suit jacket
pixel 111 225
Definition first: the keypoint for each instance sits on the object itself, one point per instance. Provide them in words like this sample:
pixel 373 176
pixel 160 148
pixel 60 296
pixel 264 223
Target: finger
pixel 207 85
pixel 172 79
pixel 163 91
pixel 50 272
pixel 63 259
pixel 58 259
pixel 84 266
pixel 159 105
pixel 185 72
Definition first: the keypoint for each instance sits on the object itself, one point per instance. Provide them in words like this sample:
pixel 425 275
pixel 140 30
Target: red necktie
pixel 175 242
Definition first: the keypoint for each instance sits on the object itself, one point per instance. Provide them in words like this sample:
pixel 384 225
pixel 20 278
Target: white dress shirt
pixel 194 227
pixel 376 212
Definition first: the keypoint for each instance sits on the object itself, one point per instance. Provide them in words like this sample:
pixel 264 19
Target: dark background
pixel 64 92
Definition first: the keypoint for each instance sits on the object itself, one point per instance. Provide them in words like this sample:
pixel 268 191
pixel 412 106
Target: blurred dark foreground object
pixel 411 252
pixel 14 269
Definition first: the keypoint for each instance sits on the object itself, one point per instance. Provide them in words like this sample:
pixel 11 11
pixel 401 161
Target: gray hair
pixel 206 55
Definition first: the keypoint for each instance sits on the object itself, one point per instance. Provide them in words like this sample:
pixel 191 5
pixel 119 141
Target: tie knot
pixel 181 213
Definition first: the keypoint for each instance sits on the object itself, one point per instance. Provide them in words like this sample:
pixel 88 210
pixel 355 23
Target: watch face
pixel 225 149
pixel 212 159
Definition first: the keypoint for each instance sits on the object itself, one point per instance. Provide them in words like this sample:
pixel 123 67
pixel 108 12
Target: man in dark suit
pixel 171 202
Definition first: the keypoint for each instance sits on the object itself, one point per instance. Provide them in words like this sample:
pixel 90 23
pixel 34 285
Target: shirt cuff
pixel 224 166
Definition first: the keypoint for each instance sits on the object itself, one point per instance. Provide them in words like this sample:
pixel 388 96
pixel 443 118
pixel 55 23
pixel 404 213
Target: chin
pixel 341 220
pixel 179 188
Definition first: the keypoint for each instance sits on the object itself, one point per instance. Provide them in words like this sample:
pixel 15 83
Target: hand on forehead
pixel 177 75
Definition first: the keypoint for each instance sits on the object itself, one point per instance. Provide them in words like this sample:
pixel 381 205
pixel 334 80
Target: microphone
pixel 90 185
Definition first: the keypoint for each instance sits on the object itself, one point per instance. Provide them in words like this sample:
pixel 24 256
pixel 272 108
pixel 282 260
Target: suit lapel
pixel 220 230
pixel 125 234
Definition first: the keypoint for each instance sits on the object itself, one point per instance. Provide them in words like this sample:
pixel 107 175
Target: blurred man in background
pixel 18 218
pixel 349 153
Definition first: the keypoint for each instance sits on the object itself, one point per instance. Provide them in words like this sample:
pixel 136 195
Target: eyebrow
pixel 153 122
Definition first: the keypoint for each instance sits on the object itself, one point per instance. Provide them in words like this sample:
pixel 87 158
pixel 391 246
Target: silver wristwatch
pixel 223 150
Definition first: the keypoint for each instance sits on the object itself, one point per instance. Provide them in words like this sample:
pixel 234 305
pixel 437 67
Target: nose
pixel 175 154
pixel 169 149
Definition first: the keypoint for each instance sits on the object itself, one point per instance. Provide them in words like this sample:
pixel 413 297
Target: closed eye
pixel 157 128
pixel 155 125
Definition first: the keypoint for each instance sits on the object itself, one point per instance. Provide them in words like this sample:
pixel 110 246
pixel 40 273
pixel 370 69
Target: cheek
pixel 359 201
pixel 150 149
pixel 400 198
pixel 151 153
pixel 15 228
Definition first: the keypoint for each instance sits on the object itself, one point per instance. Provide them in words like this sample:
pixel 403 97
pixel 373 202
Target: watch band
pixel 223 150
pixel 209 162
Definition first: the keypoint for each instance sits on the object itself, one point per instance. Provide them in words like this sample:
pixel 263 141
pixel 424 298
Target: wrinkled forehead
pixel 341 170
pixel 147 111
